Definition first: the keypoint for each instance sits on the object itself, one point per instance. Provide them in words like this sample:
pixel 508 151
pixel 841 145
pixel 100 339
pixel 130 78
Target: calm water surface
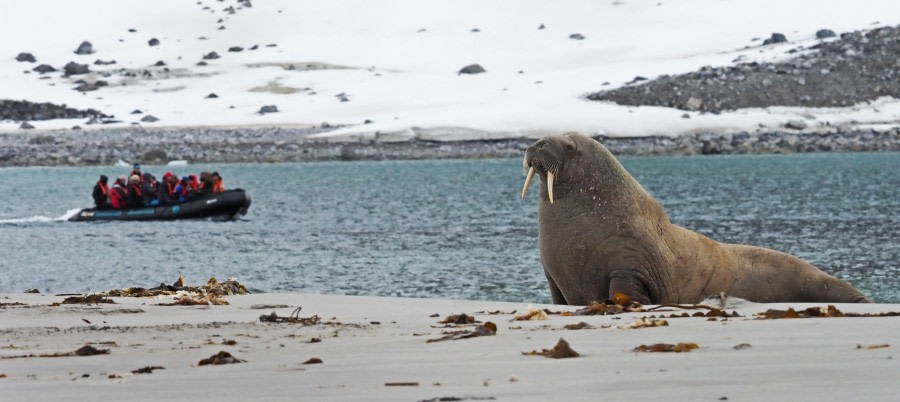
pixel 440 229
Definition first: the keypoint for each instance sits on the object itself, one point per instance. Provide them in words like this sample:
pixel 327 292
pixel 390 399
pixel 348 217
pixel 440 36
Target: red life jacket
pixel 170 189
pixel 137 189
pixel 103 188
pixel 116 196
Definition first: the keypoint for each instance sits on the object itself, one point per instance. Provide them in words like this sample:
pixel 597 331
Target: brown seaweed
pixel 88 299
pixel 458 319
pixel 617 304
pixel 562 350
pixel 294 318
pixel 86 350
pixel 222 357
pixel 580 325
pixel 667 347
pixel 817 312
pixel 486 329
pixel 147 370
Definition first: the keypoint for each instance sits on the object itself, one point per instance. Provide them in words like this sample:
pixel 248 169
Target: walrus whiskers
pixel 528 181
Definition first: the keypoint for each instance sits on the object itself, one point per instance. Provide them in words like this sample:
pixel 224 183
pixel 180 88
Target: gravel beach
pixel 275 145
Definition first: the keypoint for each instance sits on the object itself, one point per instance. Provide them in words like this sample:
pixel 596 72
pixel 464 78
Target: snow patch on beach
pixel 394 63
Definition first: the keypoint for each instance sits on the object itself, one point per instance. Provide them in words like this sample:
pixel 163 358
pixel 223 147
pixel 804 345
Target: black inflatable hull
pixel 225 205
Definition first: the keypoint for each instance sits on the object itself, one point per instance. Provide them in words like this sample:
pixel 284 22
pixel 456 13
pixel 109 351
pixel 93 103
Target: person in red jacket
pixel 101 194
pixel 137 171
pixel 194 182
pixel 166 193
pixel 218 183
pixel 117 193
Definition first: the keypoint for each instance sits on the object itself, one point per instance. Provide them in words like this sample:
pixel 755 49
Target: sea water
pixel 438 229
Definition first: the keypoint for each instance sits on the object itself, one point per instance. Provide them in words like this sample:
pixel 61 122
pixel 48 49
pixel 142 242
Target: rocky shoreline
pixel 840 71
pixel 277 145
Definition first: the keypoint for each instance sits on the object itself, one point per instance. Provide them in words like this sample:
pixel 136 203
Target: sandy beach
pixel 378 349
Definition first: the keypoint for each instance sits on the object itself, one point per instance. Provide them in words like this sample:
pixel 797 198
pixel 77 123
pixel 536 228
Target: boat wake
pixel 38 219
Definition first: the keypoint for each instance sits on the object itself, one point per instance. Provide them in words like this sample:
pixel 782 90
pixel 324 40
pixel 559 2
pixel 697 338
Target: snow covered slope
pixel 395 62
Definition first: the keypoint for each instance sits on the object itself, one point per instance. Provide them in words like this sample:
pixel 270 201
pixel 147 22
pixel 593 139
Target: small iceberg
pixel 121 163
pixel 179 162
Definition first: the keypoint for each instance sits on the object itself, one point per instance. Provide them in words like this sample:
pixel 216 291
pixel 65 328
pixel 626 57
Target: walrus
pixel 600 233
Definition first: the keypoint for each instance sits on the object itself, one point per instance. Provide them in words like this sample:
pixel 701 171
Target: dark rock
pixel 26 126
pixel 271 45
pixel 85 48
pixel 160 64
pixel 212 96
pixel 472 69
pixel 476 30
pixel 44 68
pixel 367 121
pixel 636 80
pixel 26 57
pixel 576 36
pixel 136 111
pixel 91 86
pixel 235 49
pixel 254 47
pixel 268 109
pixel 202 63
pixel 132 30
pixel 72 68
pixel 32 291
pixel 42 140
pixel 26 111
pixel 222 28
pixel 776 38
pixel 153 42
pixel 211 56
pixel 154 155
pixel 795 125
pixel 342 97
pixel 99 62
pixel 541 27
pixel 149 119
pixel 825 33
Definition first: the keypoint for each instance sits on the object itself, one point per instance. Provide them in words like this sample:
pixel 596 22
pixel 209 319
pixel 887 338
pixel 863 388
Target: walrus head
pixel 547 157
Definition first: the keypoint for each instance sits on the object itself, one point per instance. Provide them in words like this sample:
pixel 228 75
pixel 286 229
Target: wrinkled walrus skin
pixel 601 232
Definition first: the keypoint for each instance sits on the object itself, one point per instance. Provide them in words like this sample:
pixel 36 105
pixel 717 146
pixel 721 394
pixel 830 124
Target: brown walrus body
pixel 601 233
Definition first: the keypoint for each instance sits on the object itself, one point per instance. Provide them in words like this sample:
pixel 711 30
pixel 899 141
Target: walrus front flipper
pixel 628 283
pixel 555 294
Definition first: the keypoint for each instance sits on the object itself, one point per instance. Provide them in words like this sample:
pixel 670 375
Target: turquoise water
pixel 439 229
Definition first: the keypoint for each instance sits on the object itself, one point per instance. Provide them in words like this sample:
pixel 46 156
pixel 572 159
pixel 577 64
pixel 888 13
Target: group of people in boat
pixel 141 189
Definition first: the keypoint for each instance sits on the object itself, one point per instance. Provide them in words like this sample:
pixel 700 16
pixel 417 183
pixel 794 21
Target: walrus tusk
pixel 550 185
pixel 527 181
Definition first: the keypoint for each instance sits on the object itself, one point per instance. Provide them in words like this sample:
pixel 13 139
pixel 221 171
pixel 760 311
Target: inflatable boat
pixel 224 205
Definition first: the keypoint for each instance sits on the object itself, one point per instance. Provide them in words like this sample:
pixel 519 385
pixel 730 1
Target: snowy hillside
pixel 395 63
